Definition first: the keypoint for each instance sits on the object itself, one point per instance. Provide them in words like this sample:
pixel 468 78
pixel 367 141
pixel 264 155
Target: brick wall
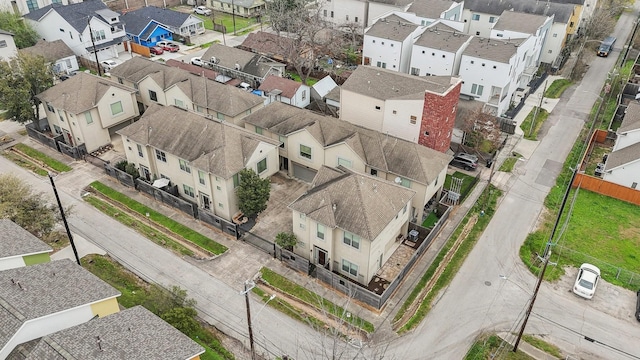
pixel 438 119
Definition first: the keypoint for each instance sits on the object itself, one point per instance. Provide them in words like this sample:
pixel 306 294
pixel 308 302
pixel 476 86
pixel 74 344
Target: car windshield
pixel 586 284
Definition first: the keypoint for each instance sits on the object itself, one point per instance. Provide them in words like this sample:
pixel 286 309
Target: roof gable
pixel 287 88
pixel 624 156
pixel 51 51
pixel 138 19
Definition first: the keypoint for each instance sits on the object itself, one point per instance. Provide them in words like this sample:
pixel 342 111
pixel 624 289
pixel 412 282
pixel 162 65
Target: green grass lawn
pixel 555 90
pixel 487 346
pixel 467 183
pixel 227 21
pixel 601 227
pixel 431 220
pixel 296 77
pixel 22 162
pixel 155 216
pixel 510 162
pixel 37 155
pixel 532 133
pixel 543 345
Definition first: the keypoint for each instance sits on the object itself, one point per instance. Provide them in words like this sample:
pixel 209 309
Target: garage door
pixel 303 173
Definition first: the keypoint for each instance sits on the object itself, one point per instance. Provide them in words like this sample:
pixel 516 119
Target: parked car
pixel 168 46
pixel 465 161
pixel 606 46
pixel 202 10
pixel 197 61
pixel 107 65
pixel 586 281
pixel 638 305
pixel 156 50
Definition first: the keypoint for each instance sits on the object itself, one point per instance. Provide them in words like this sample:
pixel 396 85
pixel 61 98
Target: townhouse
pixel 201 156
pixel 359 14
pixel 37 300
pixel 309 141
pixel 387 43
pixel 349 222
pixel 276 88
pixel 56 53
pixel 86 27
pixel 438 51
pixel 430 11
pixel 421 110
pixel 88 109
pixel 18 248
pixel 157 83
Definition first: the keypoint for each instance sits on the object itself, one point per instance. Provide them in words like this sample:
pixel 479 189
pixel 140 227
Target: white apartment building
pixel 438 51
pixel 387 43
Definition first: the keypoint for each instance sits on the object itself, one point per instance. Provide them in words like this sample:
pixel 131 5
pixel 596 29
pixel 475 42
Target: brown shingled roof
pixel 287 87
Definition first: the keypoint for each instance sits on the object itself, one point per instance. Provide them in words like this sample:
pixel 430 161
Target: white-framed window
pixel 88 117
pixel 201 177
pixel 50 108
pixel 381 64
pixel 140 153
pixel 475 17
pixel 305 151
pixel 303 216
pixel 413 119
pixel 415 71
pixel 221 205
pixel 320 231
pixel 345 162
pixel 304 94
pixel 351 240
pixel 178 103
pixel 236 180
pixel 184 166
pixel 160 155
pixel 477 89
pixel 555 35
pixel 492 19
pixel 282 140
pixel 3 43
pixel 188 190
pixel 98 35
pixel 349 267
pixel 324 12
pixel 116 108
pixel 405 182
pixel 220 116
pixel 259 130
pixel 262 166
pixel 153 96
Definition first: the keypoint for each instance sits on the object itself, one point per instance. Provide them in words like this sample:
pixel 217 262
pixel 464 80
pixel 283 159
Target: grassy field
pixel 510 162
pixel 532 133
pixel 543 345
pixel 22 162
pixel 227 21
pixel 487 346
pixel 431 220
pixel 45 159
pixel 555 90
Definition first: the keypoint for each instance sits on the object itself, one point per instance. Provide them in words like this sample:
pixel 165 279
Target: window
pixel 305 151
pixel 349 267
pixel 404 209
pixel 60 116
pixel 373 172
pixel 262 166
pixel 381 64
pixel 500 35
pixel 477 33
pixel 153 96
pixel 475 17
pixel 198 108
pixel 405 182
pixel 116 108
pixel 304 94
pixel 394 112
pixel 320 231
pixel 347 17
pixel 282 140
pixel 344 162
pixel 3 43
pixel 188 190
pixel 301 226
pixel 377 107
pixel 98 35
pixel 351 240
pixel 477 89
pixel 303 216
pixel 415 71
pixel 201 177
pixel 555 35
pixel 634 185
pixel 258 130
pixel 56 129
pixel 332 14
pixel 413 119
pixel 160 155
pixel 220 116
pixel 356 19
pixel 32 5
pixel 550 51
pixel 218 188
pixel 139 150
pixel 184 166
pixel 492 19
pixel 324 12
pixel 179 103
pixel 236 180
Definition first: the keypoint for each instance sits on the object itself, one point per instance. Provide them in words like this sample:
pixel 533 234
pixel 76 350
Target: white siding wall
pixel 11 263
pixel 397 119
pixel 625 175
pixel 366 114
pixel 433 62
pixel 624 140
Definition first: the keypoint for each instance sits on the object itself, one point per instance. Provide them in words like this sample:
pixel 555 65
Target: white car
pixel 202 10
pixel 107 65
pixel 586 281
pixel 197 61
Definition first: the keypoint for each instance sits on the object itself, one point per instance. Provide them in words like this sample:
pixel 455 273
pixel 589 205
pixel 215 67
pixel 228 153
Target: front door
pixel 145 173
pixel 321 256
pixel 204 201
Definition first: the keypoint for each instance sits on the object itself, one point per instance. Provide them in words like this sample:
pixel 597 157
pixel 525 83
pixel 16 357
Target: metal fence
pixel 51 142
pixel 218 222
pixel 76 152
pixel 166 198
pixel 292 260
pixel 261 243
pixel 124 178
pixel 96 161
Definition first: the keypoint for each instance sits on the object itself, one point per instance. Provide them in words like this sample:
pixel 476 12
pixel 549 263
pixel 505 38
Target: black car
pixel 638 305
pixel 465 161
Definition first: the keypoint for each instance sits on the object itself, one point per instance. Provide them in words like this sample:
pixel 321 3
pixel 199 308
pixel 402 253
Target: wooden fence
pixel 607 188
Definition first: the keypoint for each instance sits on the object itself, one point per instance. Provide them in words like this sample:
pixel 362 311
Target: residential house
pixel 623 163
pixel 583 10
pixel 492 71
pixel 133 333
pixel 19 248
pixel 56 53
pixel 244 65
pixel 356 15
pixel 516 25
pixel 37 300
pixel 201 156
pixel 148 25
pixel 77 24
pixel 417 109
pixel 309 141
pixel 276 88
pixel 22 7
pixel 244 8
pixel 348 222
pixel 429 11
pixel 438 51
pixel 270 45
pixel 387 43
pixel 321 89
pixel 8 49
pixel 161 84
pixel 88 109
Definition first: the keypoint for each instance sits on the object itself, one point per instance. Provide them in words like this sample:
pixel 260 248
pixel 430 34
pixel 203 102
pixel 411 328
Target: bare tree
pixel 482 130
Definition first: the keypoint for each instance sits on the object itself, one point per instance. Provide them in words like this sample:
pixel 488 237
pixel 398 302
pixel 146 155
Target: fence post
pixel 274 250
pixel 631 278
pixel 618 274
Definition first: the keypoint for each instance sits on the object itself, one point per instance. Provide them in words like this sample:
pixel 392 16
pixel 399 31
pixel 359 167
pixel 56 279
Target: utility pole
pixel 533 299
pixel 233 16
pixel 247 288
pixel 64 220
pixel 93 43
pixel 535 115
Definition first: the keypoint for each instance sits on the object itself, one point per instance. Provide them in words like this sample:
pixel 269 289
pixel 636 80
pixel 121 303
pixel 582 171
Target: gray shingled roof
pixel 398 3
pixel 442 37
pixel 562 12
pixel 358 203
pixel 379 151
pixel 631 120
pixel 392 27
pixel 250 63
pixel 234 101
pixel 385 84
pixel 131 334
pixel 79 93
pixel 268 44
pixel 430 8
pixel 623 156
pixel 35 291
pixel 497 50
pixel 51 51
pixel 138 19
pixel 15 241
pixel 219 148
pixel 520 22
pixel 75 14
pixel 334 94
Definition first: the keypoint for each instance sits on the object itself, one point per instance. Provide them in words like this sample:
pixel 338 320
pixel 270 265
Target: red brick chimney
pixel 439 117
